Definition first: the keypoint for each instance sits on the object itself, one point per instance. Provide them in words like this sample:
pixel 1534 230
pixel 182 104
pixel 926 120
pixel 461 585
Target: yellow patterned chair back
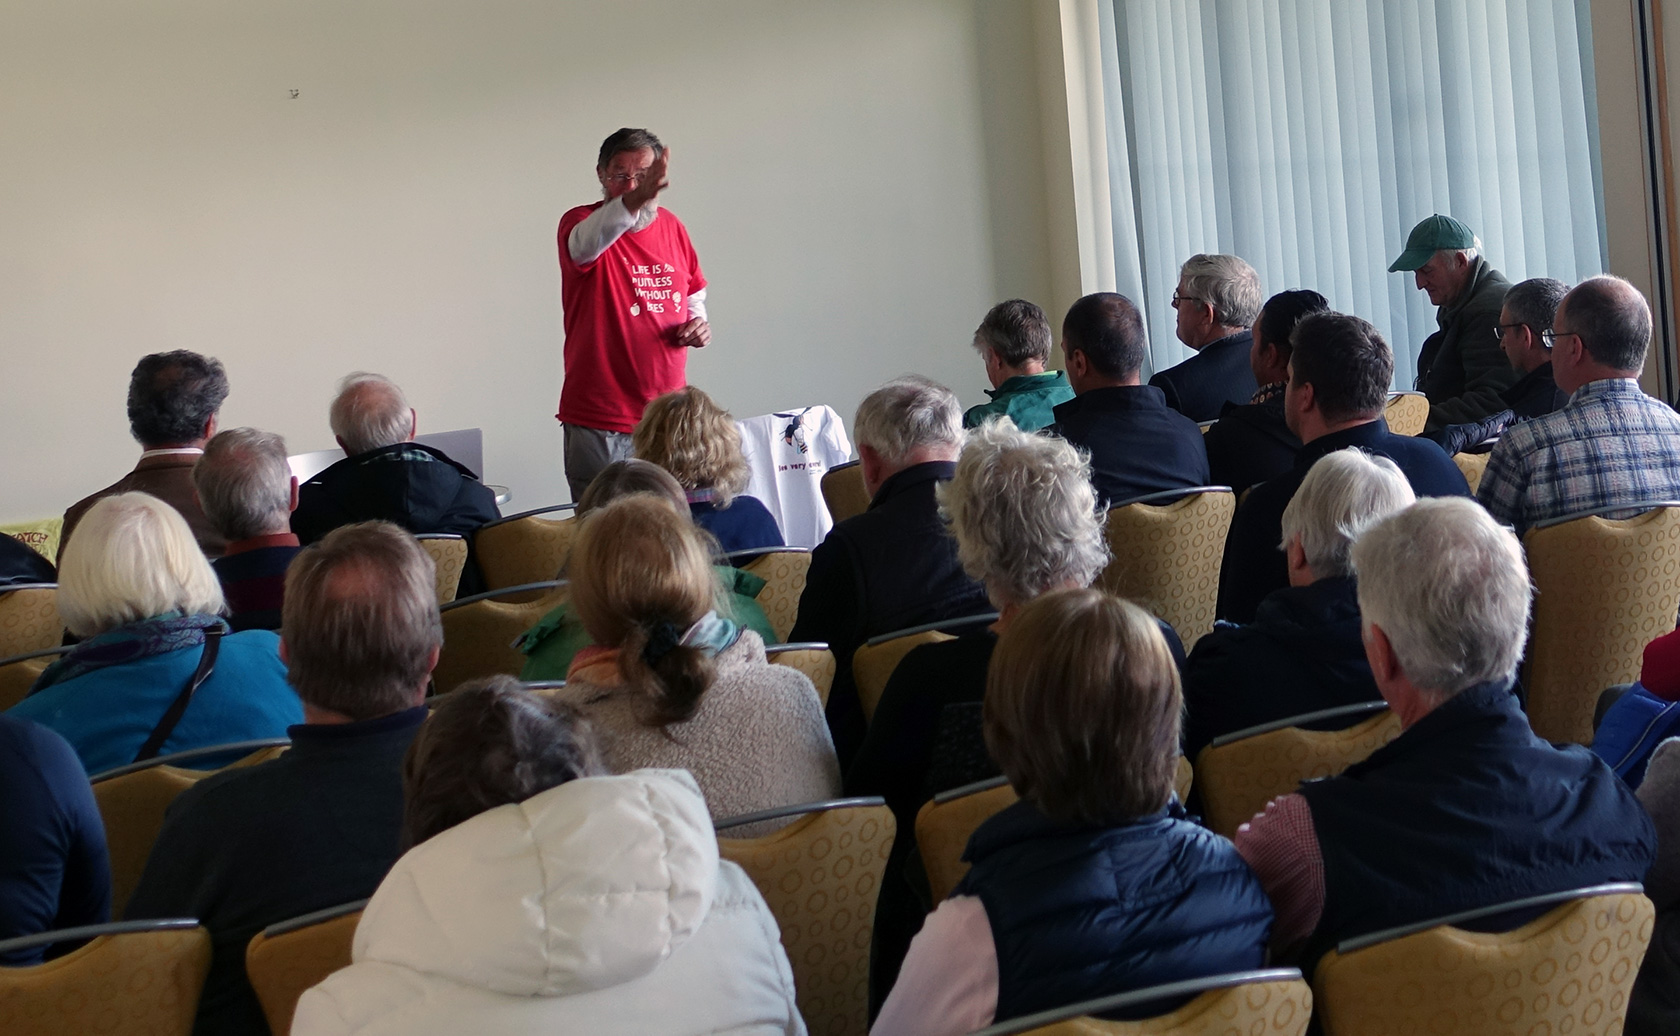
pixel 449 557
pixel 19 672
pixel 815 660
pixel 821 876
pixel 1240 772
pixel 1474 465
pixel 530 547
pixel 844 492
pixel 1167 550
pixel 945 823
pixel 29 618
pixel 1603 590
pixel 1407 412
pixel 287 958
pixel 1570 970
pixel 479 631
pixel 873 665
pixel 135 978
pixel 1271 1002
pixel 132 800
pixel 783 570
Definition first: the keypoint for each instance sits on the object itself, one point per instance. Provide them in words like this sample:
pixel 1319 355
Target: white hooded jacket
pixel 597 907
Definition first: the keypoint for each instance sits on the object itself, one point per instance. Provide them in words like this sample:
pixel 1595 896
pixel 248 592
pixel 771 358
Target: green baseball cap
pixel 1430 236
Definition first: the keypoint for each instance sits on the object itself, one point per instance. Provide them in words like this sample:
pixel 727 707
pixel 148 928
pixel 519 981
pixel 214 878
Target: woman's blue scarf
pixel 158 635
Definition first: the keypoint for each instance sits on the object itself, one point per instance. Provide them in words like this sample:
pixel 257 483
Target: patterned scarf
pixel 132 642
pixel 711 633
pixel 1269 392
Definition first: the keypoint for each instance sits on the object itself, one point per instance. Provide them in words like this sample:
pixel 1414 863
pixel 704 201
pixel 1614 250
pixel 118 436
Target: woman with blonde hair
pixel 672 683
pixel 156 670
pixel 696 440
pixel 1095 882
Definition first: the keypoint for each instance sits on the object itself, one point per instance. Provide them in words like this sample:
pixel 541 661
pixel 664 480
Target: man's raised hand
pixel 653 181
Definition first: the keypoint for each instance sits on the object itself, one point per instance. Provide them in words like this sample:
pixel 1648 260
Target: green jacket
pixel 1026 399
pixel 550 644
pixel 1461 367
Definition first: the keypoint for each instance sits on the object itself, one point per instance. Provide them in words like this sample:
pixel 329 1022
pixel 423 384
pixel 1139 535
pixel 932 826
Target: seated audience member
pixel 1632 719
pixel 1217 298
pixel 1467 808
pixel 54 872
pixel 386 476
pixel 1014 342
pixel 1460 367
pixel 20 563
pixel 319 825
pixel 1252 443
pixel 673 683
pixel 248 491
pixel 173 399
pixel 1303 651
pixel 541 896
pixel 1026 522
pixel 555 640
pixel 696 440
pixel 141 596
pixel 1612 445
pixel 1095 882
pixel 1136 444
pixel 1523 322
pixel 1339 374
pixel 1654 1006
pixel 893 566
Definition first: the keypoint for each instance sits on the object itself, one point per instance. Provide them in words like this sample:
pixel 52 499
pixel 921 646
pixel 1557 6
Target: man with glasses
pixel 1460 368
pixel 1217 298
pixel 634 302
pixel 1530 307
pixel 1611 445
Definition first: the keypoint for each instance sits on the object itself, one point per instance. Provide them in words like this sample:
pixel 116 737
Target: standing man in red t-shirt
pixel 634 301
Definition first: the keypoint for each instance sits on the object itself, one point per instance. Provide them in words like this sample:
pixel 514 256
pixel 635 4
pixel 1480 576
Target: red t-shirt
pixel 622 312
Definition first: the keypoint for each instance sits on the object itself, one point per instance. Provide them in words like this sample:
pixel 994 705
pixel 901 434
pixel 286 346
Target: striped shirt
pixel 1611 445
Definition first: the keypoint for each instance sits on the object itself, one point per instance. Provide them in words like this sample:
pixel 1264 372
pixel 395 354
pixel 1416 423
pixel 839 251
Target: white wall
pixel 839 165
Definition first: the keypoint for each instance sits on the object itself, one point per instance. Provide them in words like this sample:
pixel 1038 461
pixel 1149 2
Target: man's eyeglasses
pixel 1499 330
pixel 624 178
pixel 1177 298
pixel 1551 337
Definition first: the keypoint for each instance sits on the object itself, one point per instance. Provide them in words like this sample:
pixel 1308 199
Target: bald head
pixel 1603 329
pixel 1107 331
pixel 370 412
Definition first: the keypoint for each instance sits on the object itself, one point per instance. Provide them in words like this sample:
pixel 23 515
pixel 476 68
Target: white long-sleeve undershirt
pixel 595 233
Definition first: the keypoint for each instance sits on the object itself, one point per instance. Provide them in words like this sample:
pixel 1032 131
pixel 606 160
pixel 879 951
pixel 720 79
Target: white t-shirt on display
pixel 788 453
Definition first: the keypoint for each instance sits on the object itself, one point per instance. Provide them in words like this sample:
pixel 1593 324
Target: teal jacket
pixel 1026 399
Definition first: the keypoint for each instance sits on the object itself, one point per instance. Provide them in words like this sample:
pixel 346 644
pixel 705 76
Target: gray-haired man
pixel 248 493
pixel 1217 299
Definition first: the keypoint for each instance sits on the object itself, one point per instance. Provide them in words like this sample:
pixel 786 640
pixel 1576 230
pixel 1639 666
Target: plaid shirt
pixel 1610 445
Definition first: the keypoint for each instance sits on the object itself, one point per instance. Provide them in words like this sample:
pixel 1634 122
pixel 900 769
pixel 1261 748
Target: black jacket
pixel 1249 444
pixel 891 567
pixel 1461 367
pixel 1535 394
pixel 1217 376
pixel 1254 566
pixel 1137 445
pixel 414 486
pixel 1303 652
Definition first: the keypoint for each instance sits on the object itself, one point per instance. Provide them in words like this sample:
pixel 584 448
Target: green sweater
pixel 1026 399
pixel 550 645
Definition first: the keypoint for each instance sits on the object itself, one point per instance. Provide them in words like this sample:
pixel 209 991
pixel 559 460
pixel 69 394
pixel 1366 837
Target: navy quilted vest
pixel 1466 809
pixel 1081 912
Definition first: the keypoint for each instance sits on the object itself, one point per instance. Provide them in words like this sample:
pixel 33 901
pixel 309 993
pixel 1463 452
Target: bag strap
pixel 178 707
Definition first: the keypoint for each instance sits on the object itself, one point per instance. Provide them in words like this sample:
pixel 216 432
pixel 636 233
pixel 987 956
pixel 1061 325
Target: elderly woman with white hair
pixel 156 671
pixel 1303 651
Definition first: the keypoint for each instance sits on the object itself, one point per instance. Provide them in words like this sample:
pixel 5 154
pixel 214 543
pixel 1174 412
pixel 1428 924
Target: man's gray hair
pixel 1613 320
pixel 1017 331
pixel 1342 495
pixel 245 484
pixel 370 412
pixel 1024 514
pixel 1470 254
pixel 1226 283
pixel 1534 302
pixel 1449 587
pixel 907 414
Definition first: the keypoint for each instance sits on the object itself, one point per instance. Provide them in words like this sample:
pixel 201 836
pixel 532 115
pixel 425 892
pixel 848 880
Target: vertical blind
pixel 1309 136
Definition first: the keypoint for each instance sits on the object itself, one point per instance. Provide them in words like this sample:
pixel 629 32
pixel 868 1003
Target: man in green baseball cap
pixel 1461 367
